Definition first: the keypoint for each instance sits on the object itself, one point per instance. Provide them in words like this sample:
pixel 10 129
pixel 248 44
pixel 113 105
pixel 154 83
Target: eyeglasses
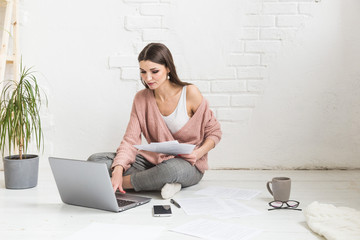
pixel 291 205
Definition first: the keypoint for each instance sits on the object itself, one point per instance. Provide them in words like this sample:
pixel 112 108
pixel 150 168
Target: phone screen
pixel 161 210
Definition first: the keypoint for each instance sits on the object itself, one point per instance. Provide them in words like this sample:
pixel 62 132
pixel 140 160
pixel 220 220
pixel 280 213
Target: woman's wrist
pixel 199 153
pixel 205 148
pixel 118 168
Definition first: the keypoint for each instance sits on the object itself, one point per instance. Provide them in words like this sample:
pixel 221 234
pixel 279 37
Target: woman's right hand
pixel 117 178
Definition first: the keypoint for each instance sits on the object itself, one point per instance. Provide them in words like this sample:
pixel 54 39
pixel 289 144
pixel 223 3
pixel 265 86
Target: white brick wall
pixel 281 105
pixel 218 100
pixel 280 8
pixel 228 86
pixel 233 91
pixel 130 73
pixel 290 21
pixel 141 22
pixel 259 21
pixel 155 35
pixel 306 8
pixel 248 72
pixel 154 9
pixel 234 114
pixel 249 33
pixel 123 61
pixel 243 100
pixel 262 46
pixel 244 60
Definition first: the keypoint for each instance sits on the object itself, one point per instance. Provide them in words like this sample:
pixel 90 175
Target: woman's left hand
pixel 191 158
pixel 199 152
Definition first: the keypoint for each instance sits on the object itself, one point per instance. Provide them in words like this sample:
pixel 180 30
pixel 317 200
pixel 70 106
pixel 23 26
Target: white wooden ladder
pixel 10 29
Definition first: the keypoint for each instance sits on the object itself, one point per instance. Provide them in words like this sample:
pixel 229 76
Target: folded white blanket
pixel 334 223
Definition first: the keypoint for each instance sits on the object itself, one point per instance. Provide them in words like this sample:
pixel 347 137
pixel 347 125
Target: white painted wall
pixel 283 77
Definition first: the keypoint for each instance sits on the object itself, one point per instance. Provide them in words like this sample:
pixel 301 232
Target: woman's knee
pixel 106 158
pixel 180 171
pixel 101 157
pixel 170 171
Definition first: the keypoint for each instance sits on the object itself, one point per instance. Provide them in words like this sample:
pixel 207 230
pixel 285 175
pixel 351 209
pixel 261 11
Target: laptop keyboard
pixel 122 202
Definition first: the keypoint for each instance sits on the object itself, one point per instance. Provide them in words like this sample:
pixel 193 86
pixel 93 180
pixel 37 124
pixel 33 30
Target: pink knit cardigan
pixel 146 118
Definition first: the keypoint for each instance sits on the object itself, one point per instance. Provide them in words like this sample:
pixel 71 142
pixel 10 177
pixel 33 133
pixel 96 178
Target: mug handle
pixel 268 187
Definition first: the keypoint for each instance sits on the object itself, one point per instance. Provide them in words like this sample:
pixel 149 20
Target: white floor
pixel 38 213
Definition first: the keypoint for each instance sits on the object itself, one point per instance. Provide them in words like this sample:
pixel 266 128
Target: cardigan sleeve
pixel 126 152
pixel 212 126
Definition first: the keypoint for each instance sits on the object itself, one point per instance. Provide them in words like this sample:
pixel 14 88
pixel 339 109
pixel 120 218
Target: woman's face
pixel 153 74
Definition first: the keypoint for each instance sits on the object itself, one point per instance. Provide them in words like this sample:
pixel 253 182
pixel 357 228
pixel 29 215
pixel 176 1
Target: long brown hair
pixel 160 54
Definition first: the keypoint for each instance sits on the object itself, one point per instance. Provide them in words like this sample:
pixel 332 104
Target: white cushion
pixel 334 223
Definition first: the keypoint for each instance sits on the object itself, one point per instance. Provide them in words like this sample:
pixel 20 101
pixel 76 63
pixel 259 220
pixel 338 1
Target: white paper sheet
pixel 96 231
pixel 225 192
pixel 220 208
pixel 237 210
pixel 203 206
pixel 216 230
pixel 170 147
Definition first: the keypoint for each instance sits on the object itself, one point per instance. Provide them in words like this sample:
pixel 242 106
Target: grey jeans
pixel 146 176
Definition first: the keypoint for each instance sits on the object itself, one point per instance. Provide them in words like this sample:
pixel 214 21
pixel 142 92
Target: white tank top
pixel 179 117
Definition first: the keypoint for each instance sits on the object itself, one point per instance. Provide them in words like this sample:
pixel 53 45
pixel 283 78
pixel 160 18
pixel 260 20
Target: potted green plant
pixel 20 104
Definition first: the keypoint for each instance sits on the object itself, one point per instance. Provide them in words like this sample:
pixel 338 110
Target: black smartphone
pixel 162 210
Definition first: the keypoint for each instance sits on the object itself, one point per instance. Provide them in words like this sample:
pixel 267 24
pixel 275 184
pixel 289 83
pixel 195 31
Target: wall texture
pixel 282 76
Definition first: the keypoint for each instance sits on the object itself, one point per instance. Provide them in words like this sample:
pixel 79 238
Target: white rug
pixel 334 223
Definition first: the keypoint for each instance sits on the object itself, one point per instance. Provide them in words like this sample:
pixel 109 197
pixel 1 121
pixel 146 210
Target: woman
pixel 166 110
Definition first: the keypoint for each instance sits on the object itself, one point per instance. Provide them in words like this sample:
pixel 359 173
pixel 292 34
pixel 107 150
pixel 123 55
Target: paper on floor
pixel 227 192
pixel 221 208
pixel 237 210
pixel 203 206
pixel 96 231
pixel 215 230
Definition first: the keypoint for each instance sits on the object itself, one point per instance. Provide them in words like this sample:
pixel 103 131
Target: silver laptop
pixel 88 184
